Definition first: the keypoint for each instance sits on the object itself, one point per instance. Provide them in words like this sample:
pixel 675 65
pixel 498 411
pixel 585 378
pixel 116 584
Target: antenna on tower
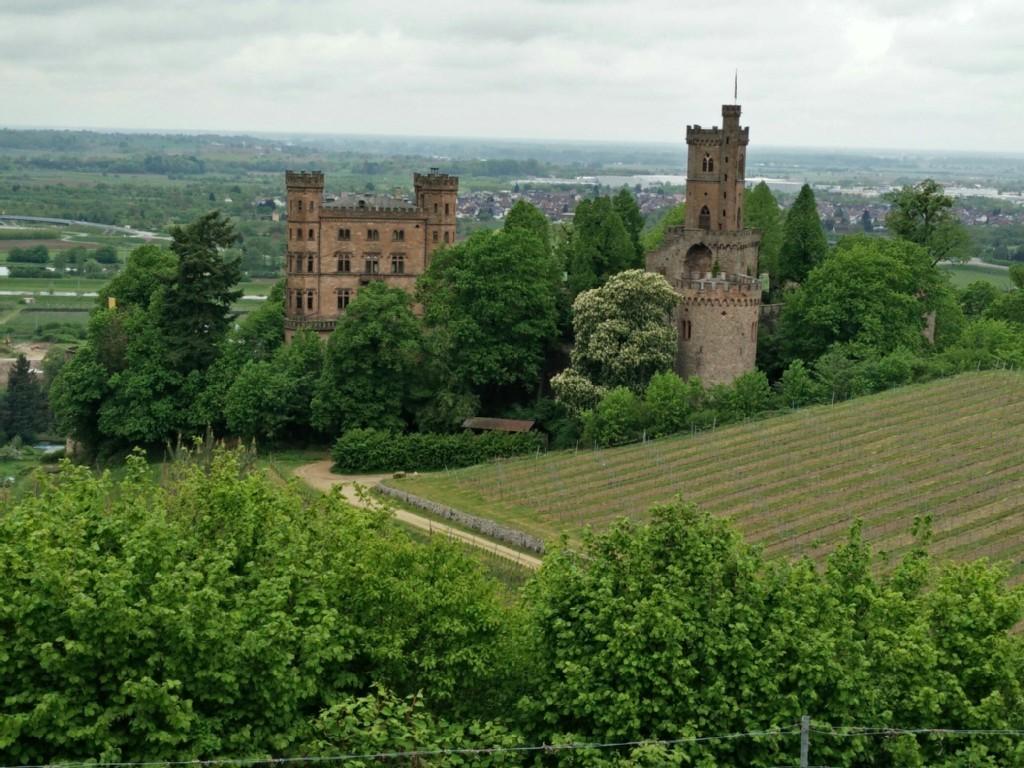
pixel 736 87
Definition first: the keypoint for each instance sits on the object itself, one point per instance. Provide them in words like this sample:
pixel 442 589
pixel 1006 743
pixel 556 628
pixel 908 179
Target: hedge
pixel 376 450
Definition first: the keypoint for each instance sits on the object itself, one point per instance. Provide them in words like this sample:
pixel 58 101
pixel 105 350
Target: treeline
pixel 222 616
pixel 32 261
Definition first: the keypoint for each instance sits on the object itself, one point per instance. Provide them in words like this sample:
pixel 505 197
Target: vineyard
pixel 950 450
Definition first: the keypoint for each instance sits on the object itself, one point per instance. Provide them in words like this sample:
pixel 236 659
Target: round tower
pixel 437 197
pixel 717 323
pixel 305 194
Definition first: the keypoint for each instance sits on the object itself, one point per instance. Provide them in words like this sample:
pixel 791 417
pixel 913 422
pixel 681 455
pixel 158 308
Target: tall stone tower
pixel 712 260
pixel 436 196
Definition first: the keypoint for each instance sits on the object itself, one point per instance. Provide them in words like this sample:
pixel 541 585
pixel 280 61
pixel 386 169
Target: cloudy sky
pixel 918 74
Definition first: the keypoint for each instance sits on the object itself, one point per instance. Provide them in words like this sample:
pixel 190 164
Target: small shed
pixel 485 424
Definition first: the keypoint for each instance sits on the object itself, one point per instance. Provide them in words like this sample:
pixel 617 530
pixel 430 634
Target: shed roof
pixel 500 425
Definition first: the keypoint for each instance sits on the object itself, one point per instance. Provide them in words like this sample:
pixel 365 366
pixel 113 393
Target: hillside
pixel 950 449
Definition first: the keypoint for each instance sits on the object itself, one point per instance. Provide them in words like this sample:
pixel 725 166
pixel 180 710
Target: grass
pixel 795 484
pixel 964 274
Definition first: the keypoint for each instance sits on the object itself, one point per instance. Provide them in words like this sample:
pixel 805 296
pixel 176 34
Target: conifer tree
pixel 803 240
pixel 24 412
pixel 761 211
pixel 625 205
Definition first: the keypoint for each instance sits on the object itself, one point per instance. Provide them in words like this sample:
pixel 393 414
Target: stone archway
pixel 697 261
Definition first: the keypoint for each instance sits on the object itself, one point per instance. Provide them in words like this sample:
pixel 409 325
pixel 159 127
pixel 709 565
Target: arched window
pixel 446 237
pixel 309 299
pixel 687 330
pixel 344 297
pixel 344 262
pixel 309 264
pixel 708 166
pixel 299 204
pixel 704 220
pixel 312 235
pixel 446 209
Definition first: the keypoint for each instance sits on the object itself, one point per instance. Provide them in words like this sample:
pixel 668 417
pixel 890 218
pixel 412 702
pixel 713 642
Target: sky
pixel 910 74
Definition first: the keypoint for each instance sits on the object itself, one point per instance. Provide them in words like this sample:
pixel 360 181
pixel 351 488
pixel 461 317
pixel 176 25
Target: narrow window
pixel 704 220
pixel 309 299
pixel 312 235
pixel 446 237
pixel 299 204
pixel 435 235
pixel 446 209
pixel 312 205
pixel 398 263
pixel 309 264
pixel 435 207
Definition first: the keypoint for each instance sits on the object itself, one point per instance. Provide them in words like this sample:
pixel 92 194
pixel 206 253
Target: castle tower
pixel 436 196
pixel 712 260
pixel 305 194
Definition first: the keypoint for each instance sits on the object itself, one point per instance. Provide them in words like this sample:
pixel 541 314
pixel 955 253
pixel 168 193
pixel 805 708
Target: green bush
pixel 376 450
pixel 31 270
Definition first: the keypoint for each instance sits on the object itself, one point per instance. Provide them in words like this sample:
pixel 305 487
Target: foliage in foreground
pixel 219 616
pixel 376 450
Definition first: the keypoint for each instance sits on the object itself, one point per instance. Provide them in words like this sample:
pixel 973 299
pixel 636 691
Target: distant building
pixel 338 246
pixel 712 259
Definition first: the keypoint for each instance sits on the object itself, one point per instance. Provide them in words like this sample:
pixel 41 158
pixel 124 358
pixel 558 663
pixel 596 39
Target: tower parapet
pixel 437 197
pixel 304 179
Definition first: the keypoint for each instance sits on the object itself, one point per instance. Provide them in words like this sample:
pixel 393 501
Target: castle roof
pixel 348 201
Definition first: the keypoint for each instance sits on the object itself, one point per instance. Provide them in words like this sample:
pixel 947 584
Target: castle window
pixel 344 234
pixel 371 263
pixel 299 204
pixel 312 235
pixel 312 205
pixel 446 209
pixel 309 299
pixel 297 299
pixel 753 331
pixel 708 166
pixel 373 234
pixel 435 207
pixel 435 235
pixel 704 220
pixel 446 237
pixel 309 264
pixel 344 297
pixel 687 330
pixel 398 263
pixel 398 235
pixel 739 217
pixel 344 262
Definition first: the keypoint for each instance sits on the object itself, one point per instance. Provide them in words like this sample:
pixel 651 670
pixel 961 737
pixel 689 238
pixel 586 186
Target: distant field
pixel 964 274
pixel 53 245
pixel 794 484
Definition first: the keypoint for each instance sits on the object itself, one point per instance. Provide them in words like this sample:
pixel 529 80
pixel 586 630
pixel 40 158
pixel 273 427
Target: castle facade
pixel 711 260
pixel 337 245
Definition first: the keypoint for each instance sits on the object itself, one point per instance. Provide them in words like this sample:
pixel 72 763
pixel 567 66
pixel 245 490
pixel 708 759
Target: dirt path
pixel 318 475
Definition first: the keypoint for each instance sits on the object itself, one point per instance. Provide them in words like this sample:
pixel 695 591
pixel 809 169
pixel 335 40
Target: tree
pixel 618 419
pixel 671 403
pixel 870 292
pixel 24 407
pixel 218 614
pixel 654 237
pixel 148 267
pixel 977 297
pixel 623 333
pixel 372 365
pixel 923 214
pixel 866 222
pixel 105 254
pixel 601 245
pixel 494 296
pixel 196 312
pixel 1008 306
pixel 761 211
pixel 804 245
pixel 625 205
pixel 526 216
pixel 1016 273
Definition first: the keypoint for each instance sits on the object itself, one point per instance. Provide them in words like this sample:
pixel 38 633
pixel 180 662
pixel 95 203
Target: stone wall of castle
pixel 717 321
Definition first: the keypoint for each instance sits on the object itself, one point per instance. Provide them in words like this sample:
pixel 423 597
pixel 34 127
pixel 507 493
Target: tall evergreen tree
pixel 24 411
pixel 601 245
pixel 625 205
pixel 803 240
pixel 761 211
pixel 196 310
pixel 530 218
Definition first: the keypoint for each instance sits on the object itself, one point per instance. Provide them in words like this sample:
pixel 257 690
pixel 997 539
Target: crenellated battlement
pixel 306 179
pixel 734 288
pixel 436 180
pixel 713 136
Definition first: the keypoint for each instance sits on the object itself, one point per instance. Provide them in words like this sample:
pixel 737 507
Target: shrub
pixel 376 450
pixel 31 270
pixel 619 418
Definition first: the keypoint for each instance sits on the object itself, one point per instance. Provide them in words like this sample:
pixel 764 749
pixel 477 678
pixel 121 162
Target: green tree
pixel 218 614
pixel 623 333
pixel 372 364
pixel 654 237
pixel 923 214
pixel 1017 275
pixel 866 223
pixel 196 311
pixel 601 245
pixel 870 292
pixel 672 403
pixel 524 215
pixel 148 267
pixel 625 205
pixel 1008 306
pixel 761 211
pixel 619 418
pixel 494 296
pixel 804 245
pixel 977 297
pixel 24 406
pixel 105 254
pixel 797 387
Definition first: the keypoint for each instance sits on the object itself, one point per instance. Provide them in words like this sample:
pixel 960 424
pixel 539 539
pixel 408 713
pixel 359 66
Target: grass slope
pixel 794 484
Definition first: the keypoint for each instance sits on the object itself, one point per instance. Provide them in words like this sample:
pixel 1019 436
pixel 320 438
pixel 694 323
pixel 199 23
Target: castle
pixel 711 260
pixel 337 245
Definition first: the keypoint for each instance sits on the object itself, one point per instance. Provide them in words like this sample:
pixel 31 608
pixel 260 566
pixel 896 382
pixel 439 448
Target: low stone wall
pixel 481 525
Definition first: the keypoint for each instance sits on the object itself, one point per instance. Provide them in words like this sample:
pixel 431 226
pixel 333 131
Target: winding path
pixel 318 475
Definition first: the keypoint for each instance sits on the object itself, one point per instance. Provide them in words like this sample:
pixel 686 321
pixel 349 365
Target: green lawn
pixel 794 484
pixel 964 274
